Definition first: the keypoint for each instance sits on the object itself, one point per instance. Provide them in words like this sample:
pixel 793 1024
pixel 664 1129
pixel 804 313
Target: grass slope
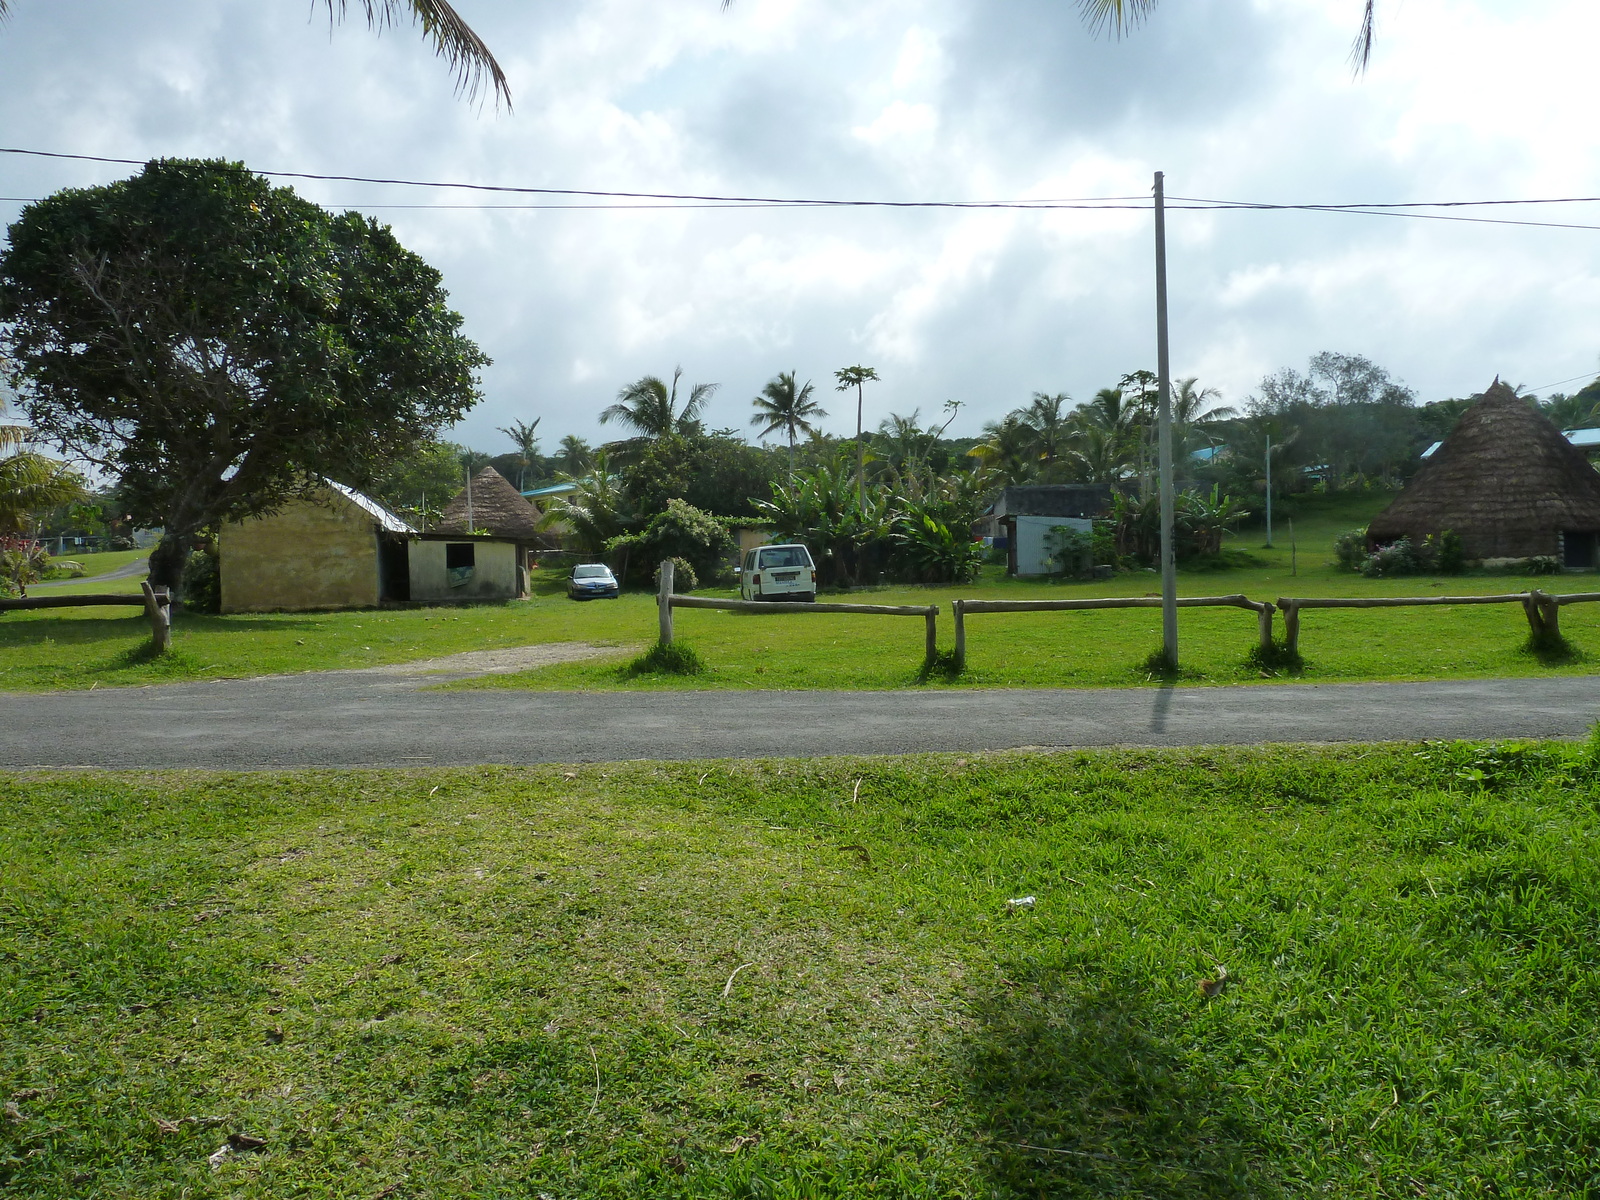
pixel 804 979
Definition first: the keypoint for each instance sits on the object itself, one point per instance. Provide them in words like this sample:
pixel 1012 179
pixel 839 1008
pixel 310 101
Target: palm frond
pixel 1115 16
pixel 453 39
pixel 1361 48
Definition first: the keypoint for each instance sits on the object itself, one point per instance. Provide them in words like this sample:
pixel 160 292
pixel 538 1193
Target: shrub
pixel 676 659
pixel 22 561
pixel 927 550
pixel 1073 549
pixel 202 582
pixel 1397 558
pixel 683 576
pixel 682 531
pixel 1450 557
pixel 1350 549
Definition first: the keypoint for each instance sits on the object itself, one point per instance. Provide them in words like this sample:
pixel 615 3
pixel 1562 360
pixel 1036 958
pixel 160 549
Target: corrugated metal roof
pixel 1581 438
pixel 387 521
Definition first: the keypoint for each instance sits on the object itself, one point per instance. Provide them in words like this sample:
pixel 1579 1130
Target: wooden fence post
pixel 1291 626
pixel 931 650
pixel 1264 615
pixel 959 608
pixel 1531 609
pixel 160 618
pixel 1549 613
pixel 664 598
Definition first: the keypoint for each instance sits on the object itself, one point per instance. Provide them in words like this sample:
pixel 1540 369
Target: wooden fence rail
pixel 157 605
pixel 1541 608
pixel 667 601
pixel 961 608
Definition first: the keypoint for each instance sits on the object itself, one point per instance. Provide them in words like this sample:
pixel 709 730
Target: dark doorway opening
pixel 394 568
pixel 1578 550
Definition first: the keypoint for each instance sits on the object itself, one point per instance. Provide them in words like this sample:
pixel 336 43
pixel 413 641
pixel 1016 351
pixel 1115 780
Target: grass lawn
pixel 105 561
pixel 105 647
pixel 803 979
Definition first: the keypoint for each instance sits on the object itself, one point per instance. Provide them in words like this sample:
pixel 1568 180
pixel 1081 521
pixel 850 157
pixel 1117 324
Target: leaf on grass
pixel 13 1113
pixel 165 1126
pixel 1212 986
pixel 218 1156
pixel 31 1093
pixel 243 1141
pixel 866 855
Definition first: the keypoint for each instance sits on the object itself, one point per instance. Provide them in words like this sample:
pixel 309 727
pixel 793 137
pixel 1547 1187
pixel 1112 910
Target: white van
pixel 778 573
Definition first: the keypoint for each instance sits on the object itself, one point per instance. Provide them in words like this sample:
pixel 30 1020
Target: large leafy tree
pixel 453 39
pixel 218 343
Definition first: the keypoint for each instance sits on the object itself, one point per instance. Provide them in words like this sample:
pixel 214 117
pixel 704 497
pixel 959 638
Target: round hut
pixel 1508 482
pixel 495 507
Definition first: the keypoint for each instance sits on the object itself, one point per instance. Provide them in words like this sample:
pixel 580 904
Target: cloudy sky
pixel 893 100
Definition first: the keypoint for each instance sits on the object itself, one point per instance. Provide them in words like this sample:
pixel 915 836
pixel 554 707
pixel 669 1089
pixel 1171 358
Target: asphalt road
pixel 139 567
pixel 357 719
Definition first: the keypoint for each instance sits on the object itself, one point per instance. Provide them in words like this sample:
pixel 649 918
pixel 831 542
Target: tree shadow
pixel 1081 1095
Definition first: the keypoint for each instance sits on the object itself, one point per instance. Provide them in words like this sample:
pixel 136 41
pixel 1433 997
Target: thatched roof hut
pixel 1508 482
pixel 496 507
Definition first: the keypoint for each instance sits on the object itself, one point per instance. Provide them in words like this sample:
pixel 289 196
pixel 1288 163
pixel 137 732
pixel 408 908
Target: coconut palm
pixel 1121 16
pixel 1050 424
pixel 650 408
pixel 453 39
pixel 522 436
pixel 597 512
pixel 30 482
pixel 1007 449
pixel 782 407
pixel 574 454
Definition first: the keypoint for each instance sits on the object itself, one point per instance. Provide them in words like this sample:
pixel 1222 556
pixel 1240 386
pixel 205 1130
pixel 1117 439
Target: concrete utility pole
pixel 1169 573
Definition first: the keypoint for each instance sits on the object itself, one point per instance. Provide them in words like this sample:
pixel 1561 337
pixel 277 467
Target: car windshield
pixel 591 572
pixel 785 556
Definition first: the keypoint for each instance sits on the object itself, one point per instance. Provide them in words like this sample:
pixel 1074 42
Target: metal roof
pixel 387 521
pixel 1583 439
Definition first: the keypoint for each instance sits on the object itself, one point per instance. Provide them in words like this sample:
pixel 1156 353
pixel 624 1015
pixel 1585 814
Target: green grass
pixel 105 647
pixel 105 561
pixel 803 979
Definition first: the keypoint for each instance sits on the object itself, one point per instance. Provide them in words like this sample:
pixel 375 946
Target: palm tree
pixel 857 377
pixel 1050 425
pixel 453 39
pixel 783 407
pixel 574 454
pixel 527 446
pixel 1008 449
pixel 1192 421
pixel 597 512
pixel 30 482
pixel 650 408
pixel 1121 16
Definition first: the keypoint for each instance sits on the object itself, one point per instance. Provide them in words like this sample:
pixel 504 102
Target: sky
pixel 893 100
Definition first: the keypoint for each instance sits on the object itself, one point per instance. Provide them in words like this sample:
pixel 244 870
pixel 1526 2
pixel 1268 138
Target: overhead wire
pixel 693 200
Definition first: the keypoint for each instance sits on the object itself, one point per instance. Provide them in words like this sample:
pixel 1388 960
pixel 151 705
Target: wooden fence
pixel 157 605
pixel 1542 609
pixel 961 608
pixel 666 601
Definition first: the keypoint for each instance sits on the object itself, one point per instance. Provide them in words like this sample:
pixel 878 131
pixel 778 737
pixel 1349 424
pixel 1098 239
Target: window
pixel 458 555
pixel 785 556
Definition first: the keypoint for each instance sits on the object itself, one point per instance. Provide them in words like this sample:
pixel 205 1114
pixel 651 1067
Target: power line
pixel 666 200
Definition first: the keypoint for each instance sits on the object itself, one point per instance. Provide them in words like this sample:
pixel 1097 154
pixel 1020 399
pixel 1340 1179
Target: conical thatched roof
pixel 496 506
pixel 1506 480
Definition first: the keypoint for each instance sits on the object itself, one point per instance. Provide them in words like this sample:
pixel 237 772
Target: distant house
pixel 1508 482
pixel 332 548
pixel 490 506
pixel 1023 518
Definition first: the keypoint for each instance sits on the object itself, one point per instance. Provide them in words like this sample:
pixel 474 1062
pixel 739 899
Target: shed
pixel 1026 515
pixel 330 548
pixel 456 567
pixel 1508 482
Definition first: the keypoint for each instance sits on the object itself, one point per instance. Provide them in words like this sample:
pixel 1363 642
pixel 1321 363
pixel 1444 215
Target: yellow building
pixel 336 548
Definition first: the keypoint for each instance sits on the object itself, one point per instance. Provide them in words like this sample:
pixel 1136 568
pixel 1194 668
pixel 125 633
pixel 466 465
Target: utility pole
pixel 469 498
pixel 1269 491
pixel 1169 573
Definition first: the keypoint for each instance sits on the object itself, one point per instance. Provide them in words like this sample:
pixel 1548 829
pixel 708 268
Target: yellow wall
pixel 306 555
pixel 494 574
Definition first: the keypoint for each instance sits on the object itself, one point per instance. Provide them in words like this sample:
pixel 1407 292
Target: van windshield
pixel 785 556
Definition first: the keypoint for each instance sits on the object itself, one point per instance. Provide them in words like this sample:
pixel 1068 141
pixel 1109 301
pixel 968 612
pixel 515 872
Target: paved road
pixel 357 719
pixel 138 567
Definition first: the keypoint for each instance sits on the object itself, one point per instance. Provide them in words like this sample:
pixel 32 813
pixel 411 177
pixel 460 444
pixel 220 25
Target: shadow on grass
pixel 944 666
pixel 1279 660
pixel 1552 650
pixel 1081 1096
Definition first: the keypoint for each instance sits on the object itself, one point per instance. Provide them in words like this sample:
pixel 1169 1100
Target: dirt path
pixel 504 661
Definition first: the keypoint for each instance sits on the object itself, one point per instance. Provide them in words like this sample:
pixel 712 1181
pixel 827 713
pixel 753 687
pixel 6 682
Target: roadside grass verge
pixel 804 979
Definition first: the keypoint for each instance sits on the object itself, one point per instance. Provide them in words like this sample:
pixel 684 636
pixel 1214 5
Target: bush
pixel 1397 558
pixel 676 659
pixel 683 576
pixel 202 582
pixel 1350 549
pixel 681 532
pixel 1450 557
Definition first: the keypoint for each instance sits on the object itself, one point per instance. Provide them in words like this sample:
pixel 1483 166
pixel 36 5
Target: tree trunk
pixel 167 559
